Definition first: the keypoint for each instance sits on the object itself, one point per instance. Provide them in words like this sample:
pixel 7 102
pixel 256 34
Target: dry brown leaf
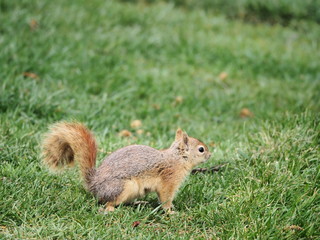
pixel 212 144
pixel 156 106
pixel 30 75
pixel 178 100
pixel 246 113
pixel 140 131
pixel 33 24
pixel 3 227
pixel 125 133
pixel 293 227
pixel 223 76
pixel 136 124
pixel 136 223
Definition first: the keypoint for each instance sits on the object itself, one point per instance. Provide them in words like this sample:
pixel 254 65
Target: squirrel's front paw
pixel 170 211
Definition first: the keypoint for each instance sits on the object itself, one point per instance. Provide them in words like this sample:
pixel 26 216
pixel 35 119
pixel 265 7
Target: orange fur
pixel 69 142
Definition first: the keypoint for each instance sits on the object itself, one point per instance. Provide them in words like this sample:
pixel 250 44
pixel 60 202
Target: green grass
pixel 271 11
pixel 106 63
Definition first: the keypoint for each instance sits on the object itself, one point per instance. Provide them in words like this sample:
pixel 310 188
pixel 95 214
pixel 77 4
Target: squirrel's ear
pixel 182 136
pixel 179 134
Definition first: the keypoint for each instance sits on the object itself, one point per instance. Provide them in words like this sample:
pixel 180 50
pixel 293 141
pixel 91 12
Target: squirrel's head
pixel 190 148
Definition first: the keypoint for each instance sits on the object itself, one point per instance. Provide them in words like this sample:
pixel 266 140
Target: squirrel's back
pixel 130 161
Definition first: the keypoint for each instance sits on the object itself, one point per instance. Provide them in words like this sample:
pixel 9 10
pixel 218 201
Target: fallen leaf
pixel 135 223
pixel 33 25
pixel 245 113
pixel 3 228
pixel 30 75
pixel 125 133
pixel 136 124
pixel 212 144
pixel 293 227
pixel 156 106
pixel 223 76
pixel 140 131
pixel 178 100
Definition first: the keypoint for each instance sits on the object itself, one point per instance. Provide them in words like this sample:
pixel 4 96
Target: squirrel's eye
pixel 201 149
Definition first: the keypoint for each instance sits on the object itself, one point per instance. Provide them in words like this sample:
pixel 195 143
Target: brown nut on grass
pixel 136 124
pixel 125 133
pixel 246 113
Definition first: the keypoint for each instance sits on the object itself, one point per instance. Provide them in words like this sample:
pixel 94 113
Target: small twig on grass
pixel 210 170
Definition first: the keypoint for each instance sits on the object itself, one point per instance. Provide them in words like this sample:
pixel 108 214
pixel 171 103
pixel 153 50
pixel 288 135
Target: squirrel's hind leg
pixel 109 207
pixel 130 192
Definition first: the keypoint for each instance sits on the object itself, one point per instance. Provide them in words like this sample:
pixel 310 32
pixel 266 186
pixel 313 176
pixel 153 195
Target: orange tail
pixel 66 143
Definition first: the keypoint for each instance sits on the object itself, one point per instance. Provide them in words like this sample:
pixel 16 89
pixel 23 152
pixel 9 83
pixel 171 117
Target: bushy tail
pixel 67 142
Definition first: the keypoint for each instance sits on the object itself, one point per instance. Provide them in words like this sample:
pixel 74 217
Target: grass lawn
pixel 107 63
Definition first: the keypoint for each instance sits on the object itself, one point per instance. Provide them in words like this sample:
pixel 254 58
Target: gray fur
pixel 108 180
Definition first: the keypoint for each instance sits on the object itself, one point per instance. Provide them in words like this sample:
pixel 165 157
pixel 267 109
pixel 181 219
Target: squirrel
pixel 129 172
